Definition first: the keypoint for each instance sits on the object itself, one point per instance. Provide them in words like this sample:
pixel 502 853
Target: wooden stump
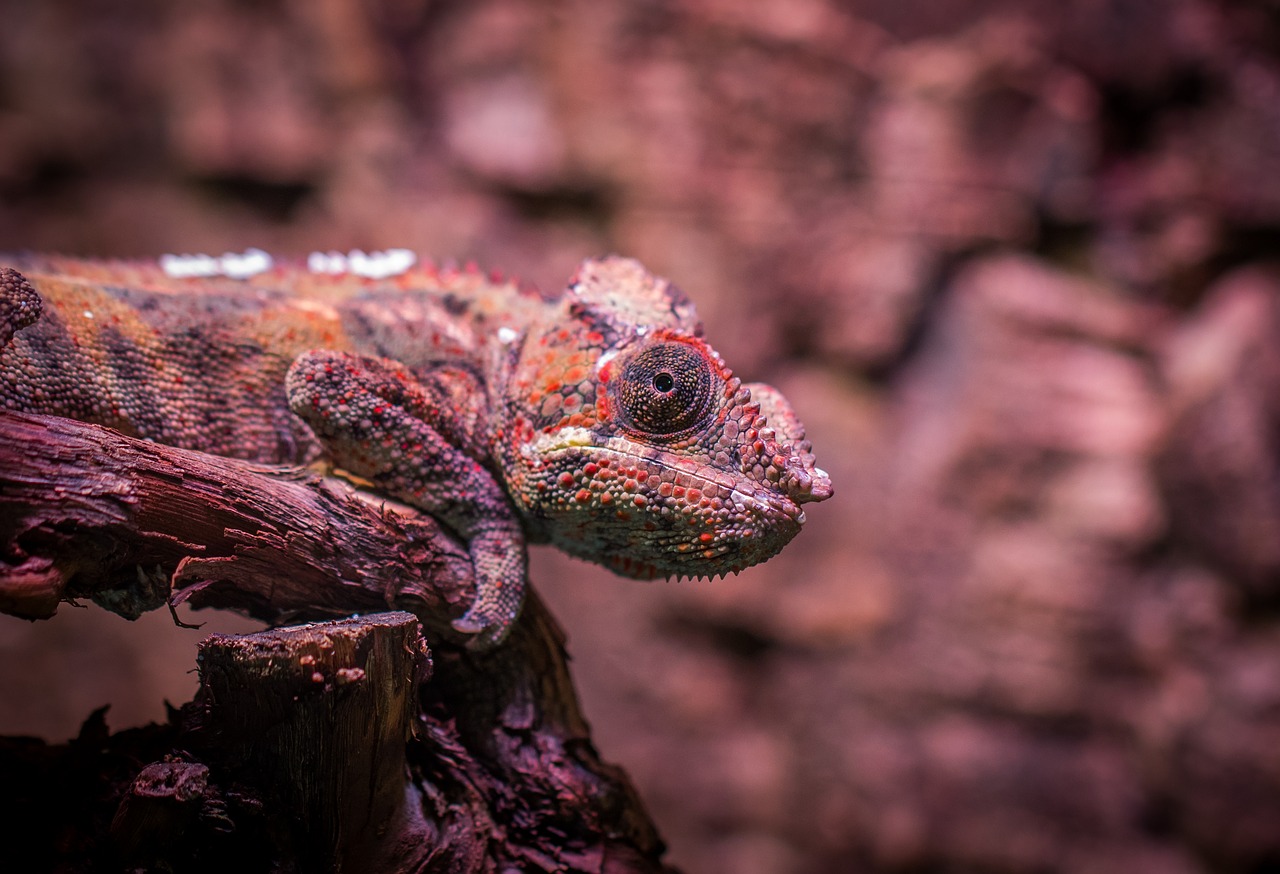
pixel 317 717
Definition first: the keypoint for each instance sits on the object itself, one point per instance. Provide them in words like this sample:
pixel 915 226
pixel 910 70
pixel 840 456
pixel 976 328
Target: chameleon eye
pixel 665 388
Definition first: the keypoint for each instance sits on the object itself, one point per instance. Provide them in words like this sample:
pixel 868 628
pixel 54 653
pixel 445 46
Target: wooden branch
pixel 86 512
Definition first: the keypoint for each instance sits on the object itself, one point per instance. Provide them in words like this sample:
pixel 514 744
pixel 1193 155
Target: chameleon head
pixel 637 447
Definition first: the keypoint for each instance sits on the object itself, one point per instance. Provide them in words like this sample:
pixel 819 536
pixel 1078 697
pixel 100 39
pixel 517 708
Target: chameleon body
pixel 600 421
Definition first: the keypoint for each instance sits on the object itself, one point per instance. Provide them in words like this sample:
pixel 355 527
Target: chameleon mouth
pixel 647 515
pixel 761 498
pixel 625 460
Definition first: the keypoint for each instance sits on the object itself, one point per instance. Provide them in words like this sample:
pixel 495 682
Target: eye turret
pixel 664 390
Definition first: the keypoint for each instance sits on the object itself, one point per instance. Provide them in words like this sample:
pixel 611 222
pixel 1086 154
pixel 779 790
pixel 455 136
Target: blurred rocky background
pixel 1013 262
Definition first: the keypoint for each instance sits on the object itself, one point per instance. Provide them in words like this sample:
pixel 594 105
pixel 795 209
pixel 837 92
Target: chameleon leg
pixel 20 305
pixel 407 435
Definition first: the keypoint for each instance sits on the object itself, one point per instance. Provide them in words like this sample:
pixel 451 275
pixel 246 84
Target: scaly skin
pixel 601 421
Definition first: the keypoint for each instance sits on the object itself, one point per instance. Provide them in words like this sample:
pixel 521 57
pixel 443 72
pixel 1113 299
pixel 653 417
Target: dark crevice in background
pixel 593 205
pixel 1246 244
pixel 936 287
pixel 46 181
pixel 1130 117
pixel 276 202
pixel 1066 244
pixel 737 640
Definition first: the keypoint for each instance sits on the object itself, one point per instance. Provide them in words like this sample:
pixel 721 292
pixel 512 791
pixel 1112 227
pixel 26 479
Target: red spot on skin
pixel 606 498
pixel 595 338
pixel 583 496
pixel 706 536
pixel 641 501
pixel 623 515
pixel 678 491
pixel 566 479
pixel 590 468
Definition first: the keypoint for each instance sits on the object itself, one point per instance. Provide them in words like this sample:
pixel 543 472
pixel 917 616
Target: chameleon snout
pixel 775 451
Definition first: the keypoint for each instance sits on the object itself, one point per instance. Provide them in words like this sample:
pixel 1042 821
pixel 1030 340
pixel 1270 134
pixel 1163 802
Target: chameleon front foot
pixel 498 554
pixel 402 431
pixel 489 621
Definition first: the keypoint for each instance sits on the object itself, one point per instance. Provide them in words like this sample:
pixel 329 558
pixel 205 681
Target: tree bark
pixel 86 512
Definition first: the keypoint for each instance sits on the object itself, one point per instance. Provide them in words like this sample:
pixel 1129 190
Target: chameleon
pixel 598 420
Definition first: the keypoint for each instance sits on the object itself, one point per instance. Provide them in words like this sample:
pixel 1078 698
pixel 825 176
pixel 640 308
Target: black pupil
pixel 664 382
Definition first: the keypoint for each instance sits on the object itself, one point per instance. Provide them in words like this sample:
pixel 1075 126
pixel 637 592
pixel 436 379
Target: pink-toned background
pixel 1012 263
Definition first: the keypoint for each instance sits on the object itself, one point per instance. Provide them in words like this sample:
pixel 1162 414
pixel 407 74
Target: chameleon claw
pixel 488 629
pixel 497 553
